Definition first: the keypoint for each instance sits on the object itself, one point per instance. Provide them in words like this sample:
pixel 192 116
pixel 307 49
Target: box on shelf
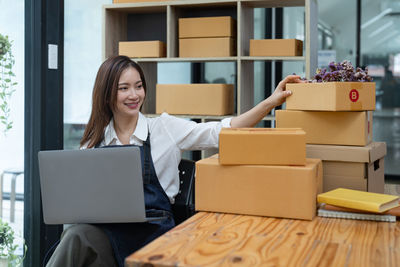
pixel 276 48
pixel 262 146
pixel 263 190
pixel 195 99
pixel 331 96
pixel 207 27
pixel 352 128
pixel 207 47
pixel 142 49
pixel 353 167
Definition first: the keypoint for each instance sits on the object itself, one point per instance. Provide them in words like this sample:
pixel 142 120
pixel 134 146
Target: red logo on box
pixel 354 95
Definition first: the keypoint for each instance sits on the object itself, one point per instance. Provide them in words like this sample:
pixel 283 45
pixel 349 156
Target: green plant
pixel 6 81
pixel 7 246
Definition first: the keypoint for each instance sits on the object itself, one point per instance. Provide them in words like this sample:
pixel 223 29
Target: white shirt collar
pixel 141 132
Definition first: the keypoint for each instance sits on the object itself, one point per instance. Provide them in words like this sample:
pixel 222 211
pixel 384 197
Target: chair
pixel 183 207
pixel 14 174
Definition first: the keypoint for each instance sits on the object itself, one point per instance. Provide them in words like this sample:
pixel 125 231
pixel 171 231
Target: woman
pixel 118 95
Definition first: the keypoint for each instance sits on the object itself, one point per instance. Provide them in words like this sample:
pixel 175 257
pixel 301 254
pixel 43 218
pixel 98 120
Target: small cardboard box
pixel 206 47
pixel 276 48
pixel 262 146
pixel 142 49
pixel 263 190
pixel 207 27
pixel 331 96
pixel 353 128
pixel 359 168
pixel 195 99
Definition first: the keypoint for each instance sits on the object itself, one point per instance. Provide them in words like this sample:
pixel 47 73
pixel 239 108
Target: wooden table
pixel 213 239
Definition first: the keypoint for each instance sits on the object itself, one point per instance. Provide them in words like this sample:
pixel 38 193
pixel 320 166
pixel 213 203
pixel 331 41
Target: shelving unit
pixel 159 21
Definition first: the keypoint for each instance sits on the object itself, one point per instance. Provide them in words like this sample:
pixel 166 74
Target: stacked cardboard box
pixel 337 119
pixel 207 37
pixel 261 172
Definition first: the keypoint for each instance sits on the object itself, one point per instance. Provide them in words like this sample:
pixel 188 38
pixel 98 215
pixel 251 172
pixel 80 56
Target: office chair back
pixel 183 207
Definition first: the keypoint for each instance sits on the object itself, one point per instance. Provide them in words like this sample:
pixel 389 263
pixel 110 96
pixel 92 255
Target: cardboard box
pixel 353 128
pixel 331 96
pixel 263 190
pixel 276 48
pixel 195 99
pixel 359 168
pixel 207 27
pixel 262 146
pixel 206 47
pixel 142 49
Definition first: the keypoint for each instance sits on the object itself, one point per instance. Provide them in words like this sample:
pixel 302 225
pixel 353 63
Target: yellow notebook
pixel 360 200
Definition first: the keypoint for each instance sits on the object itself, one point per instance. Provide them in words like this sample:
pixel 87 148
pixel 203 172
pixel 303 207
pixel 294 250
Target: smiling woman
pixel 118 94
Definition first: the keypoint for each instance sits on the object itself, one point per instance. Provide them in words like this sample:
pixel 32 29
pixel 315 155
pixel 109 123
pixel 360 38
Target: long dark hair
pixel 104 97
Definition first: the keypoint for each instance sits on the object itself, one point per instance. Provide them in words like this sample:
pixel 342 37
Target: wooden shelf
pixel 183 59
pixel 147 21
pixel 273 58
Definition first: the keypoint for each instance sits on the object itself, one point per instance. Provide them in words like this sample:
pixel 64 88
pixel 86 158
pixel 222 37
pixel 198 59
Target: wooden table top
pixel 215 239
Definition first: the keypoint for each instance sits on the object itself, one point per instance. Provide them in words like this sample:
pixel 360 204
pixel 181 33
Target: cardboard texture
pixel 195 99
pixel 333 128
pixel 142 49
pixel 263 146
pixel 207 47
pixel 359 168
pixel 207 27
pixel 276 48
pixel 275 191
pixel 331 96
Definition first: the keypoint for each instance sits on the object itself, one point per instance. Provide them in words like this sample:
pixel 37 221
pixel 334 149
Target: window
pixel 12 141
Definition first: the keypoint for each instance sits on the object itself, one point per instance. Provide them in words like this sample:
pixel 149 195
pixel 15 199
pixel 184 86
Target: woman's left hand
pixel 278 97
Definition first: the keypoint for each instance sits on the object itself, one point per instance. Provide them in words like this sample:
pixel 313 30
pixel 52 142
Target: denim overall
pixel 126 238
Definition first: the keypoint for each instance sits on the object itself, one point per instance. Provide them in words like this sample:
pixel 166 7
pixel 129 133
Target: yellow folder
pixel 360 200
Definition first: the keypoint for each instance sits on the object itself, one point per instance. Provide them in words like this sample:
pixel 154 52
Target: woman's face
pixel 130 95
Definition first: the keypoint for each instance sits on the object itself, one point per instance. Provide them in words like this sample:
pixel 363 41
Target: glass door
pixel 380 51
pixel 12 119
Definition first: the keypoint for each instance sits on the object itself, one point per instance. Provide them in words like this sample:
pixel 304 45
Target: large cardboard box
pixel 195 99
pixel 207 27
pixel 207 47
pixel 142 49
pixel 352 128
pixel 262 146
pixel 331 96
pixel 264 190
pixel 276 48
pixel 359 168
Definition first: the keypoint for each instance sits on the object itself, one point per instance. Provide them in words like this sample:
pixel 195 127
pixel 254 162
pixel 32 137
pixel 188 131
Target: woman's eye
pixel 123 88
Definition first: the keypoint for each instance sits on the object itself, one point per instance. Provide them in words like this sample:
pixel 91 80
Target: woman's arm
pixel 257 113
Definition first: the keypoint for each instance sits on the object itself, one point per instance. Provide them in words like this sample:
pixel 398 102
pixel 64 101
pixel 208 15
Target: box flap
pixel 378 150
pixel 369 153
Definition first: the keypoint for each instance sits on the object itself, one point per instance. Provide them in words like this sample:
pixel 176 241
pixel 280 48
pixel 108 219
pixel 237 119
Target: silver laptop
pixel 92 186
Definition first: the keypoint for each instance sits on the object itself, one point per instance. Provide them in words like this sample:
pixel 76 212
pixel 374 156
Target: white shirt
pixel 169 137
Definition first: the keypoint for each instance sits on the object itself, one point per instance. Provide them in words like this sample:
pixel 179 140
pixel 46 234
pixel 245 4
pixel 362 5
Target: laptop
pixel 92 186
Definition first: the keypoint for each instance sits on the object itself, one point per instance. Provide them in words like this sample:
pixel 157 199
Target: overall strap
pixel 147 161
